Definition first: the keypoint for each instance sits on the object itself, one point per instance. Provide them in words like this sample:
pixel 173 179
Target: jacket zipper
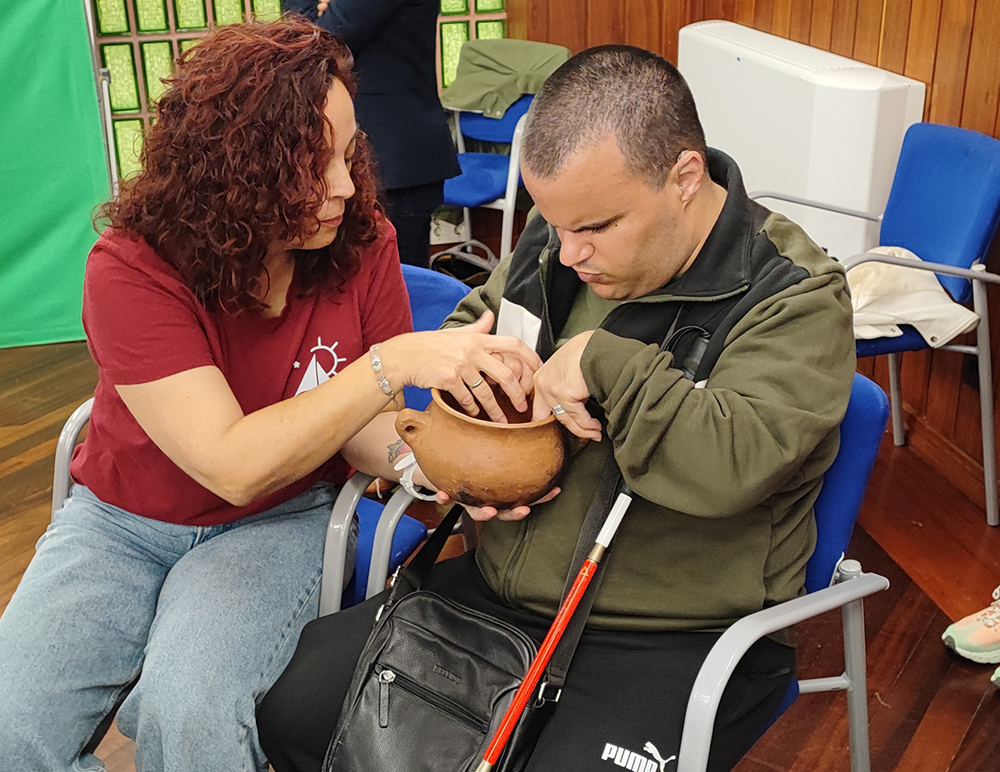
pixel 512 561
pixel 387 677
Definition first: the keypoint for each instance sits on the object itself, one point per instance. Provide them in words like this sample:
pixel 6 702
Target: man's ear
pixel 688 174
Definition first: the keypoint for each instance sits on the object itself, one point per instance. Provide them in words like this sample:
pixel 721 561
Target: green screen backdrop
pixel 52 169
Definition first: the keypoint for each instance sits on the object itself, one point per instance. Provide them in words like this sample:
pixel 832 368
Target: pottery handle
pixel 410 423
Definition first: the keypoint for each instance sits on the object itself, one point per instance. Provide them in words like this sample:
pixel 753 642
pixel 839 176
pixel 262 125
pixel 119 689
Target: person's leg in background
pixel 977 636
pixel 228 619
pixel 410 211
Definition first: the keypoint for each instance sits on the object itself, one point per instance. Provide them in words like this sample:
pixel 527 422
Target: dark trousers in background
pixel 626 692
pixel 410 211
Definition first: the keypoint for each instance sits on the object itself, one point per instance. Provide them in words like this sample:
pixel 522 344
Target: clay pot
pixel 478 462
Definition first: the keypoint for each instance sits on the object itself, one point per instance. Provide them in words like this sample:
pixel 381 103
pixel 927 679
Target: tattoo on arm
pixel 397 449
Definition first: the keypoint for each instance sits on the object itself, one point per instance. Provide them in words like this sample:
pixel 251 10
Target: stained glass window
pixel 158 62
pixel 453 37
pixel 128 145
pixel 139 41
pixel 267 10
pixel 124 89
pixel 491 30
pixel 151 15
pixel 190 14
pixel 228 11
pixel 460 20
pixel 111 16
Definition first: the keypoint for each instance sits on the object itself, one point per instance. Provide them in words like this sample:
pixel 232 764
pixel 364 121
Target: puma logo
pixel 651 750
pixel 636 762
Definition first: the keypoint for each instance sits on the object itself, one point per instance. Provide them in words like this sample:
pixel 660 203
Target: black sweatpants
pixel 625 695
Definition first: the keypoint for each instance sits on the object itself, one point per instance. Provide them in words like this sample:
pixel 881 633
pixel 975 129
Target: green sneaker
pixel 977 636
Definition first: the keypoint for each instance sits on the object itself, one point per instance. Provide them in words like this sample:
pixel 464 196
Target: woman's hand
pixel 482 514
pixel 463 361
pixel 321 7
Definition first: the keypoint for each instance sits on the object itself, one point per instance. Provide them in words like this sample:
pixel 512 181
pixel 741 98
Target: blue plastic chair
pixel 489 74
pixel 433 296
pixel 831 582
pixel 944 206
pixel 489 180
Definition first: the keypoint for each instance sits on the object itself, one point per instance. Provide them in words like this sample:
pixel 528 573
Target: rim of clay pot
pixel 436 395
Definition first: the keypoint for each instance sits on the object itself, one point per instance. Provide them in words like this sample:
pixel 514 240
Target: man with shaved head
pixel 700 344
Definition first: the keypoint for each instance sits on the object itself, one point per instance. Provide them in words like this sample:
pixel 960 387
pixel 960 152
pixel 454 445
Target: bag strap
pixel 410 577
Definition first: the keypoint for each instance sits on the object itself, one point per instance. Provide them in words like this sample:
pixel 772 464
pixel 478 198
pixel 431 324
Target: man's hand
pixel 561 390
pixel 482 514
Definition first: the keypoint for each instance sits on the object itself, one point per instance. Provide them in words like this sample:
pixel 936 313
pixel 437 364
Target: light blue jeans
pixel 209 617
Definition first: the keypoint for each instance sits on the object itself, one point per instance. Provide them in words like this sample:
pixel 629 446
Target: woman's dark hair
pixel 236 160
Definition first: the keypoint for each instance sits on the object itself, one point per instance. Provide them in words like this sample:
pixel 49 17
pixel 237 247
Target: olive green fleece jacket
pixel 724 476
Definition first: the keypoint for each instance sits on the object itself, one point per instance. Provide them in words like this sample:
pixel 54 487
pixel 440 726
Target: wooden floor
pixel 930 711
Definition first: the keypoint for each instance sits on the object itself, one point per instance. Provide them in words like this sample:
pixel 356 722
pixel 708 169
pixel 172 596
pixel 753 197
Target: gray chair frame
pixel 978 276
pixel 847 593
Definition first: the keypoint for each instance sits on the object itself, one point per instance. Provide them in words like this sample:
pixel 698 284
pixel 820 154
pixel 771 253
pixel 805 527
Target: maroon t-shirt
pixel 143 324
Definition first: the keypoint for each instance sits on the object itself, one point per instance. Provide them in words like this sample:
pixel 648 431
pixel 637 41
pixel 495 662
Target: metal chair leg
pixel 986 401
pixel 855 668
pixel 896 401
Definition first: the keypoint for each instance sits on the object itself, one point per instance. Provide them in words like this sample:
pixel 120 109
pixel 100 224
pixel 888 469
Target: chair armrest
pixel 64 452
pixel 877 218
pixel 392 513
pixel 335 547
pixel 725 655
pixel 977 273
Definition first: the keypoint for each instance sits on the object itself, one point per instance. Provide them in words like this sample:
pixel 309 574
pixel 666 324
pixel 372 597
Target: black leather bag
pixel 430 690
pixel 433 682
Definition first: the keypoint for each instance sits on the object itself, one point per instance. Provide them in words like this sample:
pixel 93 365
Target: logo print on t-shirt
pixel 315 372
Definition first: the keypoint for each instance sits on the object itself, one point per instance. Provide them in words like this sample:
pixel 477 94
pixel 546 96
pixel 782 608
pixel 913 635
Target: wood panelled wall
pixel 951 45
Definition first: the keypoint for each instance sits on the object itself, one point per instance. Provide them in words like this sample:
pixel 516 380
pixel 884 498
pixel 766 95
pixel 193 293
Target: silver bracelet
pixel 383 382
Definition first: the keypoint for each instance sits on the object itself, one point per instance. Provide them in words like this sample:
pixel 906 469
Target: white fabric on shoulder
pixel 518 322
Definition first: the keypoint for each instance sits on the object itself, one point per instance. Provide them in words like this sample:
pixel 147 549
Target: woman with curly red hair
pixel 234 307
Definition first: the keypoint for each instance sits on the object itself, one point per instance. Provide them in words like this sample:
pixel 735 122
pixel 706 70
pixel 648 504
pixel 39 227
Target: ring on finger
pixel 477 384
pixel 558 409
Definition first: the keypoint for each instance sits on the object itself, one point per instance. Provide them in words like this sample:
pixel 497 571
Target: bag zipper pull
pixel 385 678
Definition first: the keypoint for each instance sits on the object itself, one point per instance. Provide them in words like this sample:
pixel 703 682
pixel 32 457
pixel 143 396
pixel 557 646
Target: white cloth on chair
pixel 885 296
